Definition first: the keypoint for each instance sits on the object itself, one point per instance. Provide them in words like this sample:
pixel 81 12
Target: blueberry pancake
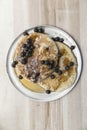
pixel 64 73
pixel 44 64
pixel 37 55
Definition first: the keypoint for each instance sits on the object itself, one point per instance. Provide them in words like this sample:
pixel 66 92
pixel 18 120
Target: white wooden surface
pixel 17 112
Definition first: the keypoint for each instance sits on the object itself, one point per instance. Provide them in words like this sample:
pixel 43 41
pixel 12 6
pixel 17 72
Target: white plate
pixel 68 40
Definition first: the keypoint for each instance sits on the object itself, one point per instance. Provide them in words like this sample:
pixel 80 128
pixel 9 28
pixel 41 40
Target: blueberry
pixel 26 49
pixel 36 29
pixel 50 66
pixel 24 61
pixel 59 72
pixel 28 46
pixel 56 69
pixel 56 38
pixel 39 29
pixel 28 54
pixel 35 77
pixel 14 63
pixel 25 33
pixel 47 62
pixel 32 47
pixel 52 76
pixel 29 40
pixel 42 61
pixel 67 67
pixel 61 40
pixel 37 74
pixel 35 80
pixel 29 75
pixel 71 63
pixel 53 38
pixel 30 51
pixel 52 62
pixel 24 46
pixel 72 47
pixel 22 54
pixel 48 91
pixel 20 77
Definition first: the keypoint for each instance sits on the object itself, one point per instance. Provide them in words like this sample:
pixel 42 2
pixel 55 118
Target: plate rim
pixel 68 89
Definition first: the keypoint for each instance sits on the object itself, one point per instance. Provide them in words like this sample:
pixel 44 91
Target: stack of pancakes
pixel 43 61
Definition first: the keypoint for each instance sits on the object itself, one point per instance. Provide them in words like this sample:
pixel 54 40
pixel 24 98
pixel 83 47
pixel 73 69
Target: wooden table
pixel 18 112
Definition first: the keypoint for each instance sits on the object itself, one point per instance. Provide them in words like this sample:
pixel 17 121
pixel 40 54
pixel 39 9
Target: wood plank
pixel 17 112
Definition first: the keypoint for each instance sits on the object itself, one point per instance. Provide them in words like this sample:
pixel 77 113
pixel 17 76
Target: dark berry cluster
pixel 14 64
pixel 34 76
pixel 49 63
pixel 39 29
pixel 57 70
pixel 25 33
pixel 58 39
pixel 70 65
pixel 28 49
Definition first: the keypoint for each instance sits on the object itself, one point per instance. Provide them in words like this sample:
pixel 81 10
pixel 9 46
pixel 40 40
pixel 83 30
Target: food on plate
pixel 43 63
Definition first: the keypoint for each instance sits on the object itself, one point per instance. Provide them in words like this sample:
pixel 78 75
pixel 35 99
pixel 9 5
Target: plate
pixel 52 31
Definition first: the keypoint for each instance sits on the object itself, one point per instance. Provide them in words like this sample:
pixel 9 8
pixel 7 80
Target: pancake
pixel 66 71
pixel 37 67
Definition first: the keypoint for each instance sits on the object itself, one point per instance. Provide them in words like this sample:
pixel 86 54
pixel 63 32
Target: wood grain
pixel 17 112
